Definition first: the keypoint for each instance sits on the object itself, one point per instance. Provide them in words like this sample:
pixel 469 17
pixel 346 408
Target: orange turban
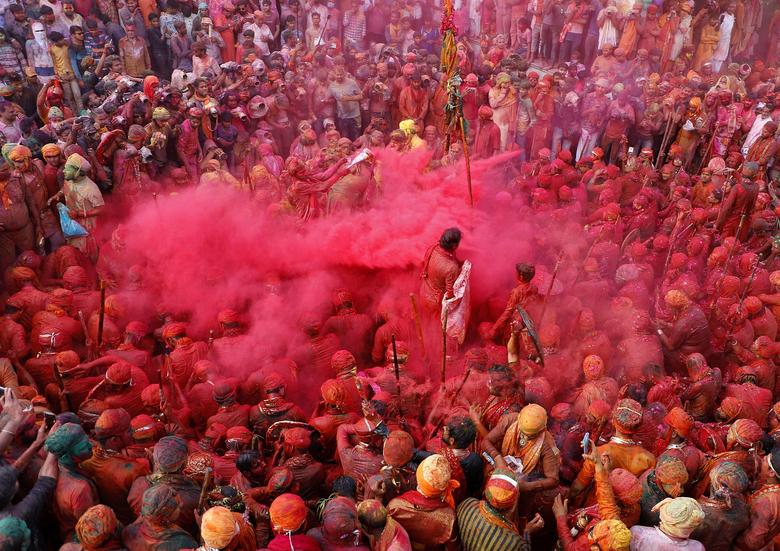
pixel 671 470
pixel 744 432
pixel 333 392
pixel 680 421
pixel 288 513
pixel 218 527
pixel 175 329
pixel 434 479
pixel 676 299
pixel 96 527
pixel 532 419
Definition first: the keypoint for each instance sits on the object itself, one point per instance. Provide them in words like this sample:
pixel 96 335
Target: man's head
pixel 450 239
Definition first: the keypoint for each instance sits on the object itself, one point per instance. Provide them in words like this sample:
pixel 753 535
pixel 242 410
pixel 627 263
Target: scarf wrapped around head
pixel 679 516
pixel 218 527
pixel 611 535
pixel 744 432
pixel 627 487
pixel 339 521
pixel 14 534
pixel 96 527
pixel 20 153
pixel 670 470
pixel 63 441
pixel 627 416
pixel 680 420
pixel 50 149
pixel 398 448
pixel 288 513
pixel 170 454
pixel 501 490
pixel 112 422
pixel 434 479
pixel 161 505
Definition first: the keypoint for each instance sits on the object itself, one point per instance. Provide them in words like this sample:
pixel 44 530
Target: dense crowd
pixel 624 394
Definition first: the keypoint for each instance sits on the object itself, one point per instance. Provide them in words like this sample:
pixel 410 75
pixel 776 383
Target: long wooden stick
pixel 417 324
pixel 466 157
pixel 101 316
pixel 667 131
pixel 444 348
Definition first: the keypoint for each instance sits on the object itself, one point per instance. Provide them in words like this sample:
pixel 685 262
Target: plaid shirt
pixel 11 59
pixel 354 26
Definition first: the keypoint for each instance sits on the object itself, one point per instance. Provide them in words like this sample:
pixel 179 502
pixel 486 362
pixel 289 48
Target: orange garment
pixel 632 457
pixel 113 475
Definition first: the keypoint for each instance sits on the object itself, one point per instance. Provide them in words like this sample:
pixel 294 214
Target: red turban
pixel 144 427
pixel 753 305
pixel 565 155
pixel 398 448
pixel 627 417
pixel 150 395
pixel 272 382
pixel 21 275
pixel 137 328
pixel 485 112
pixel 298 437
pixel 599 411
pixel 66 360
pixel 593 367
pixel 680 421
pixel 730 286
pixel 288 513
pixel 627 487
pixel 339 520
pixel 240 434
pixel 215 431
pixel 62 298
pixel 228 317
pixel 561 411
pixel 342 361
pixel 197 463
pixel 119 373
pixel 112 422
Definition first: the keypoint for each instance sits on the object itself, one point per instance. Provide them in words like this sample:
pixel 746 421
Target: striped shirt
pixel 478 534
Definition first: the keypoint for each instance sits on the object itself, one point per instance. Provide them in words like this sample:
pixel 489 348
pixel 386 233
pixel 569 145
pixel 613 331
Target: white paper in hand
pixel 361 156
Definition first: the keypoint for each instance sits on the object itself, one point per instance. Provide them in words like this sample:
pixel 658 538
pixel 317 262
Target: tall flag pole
pixel 449 66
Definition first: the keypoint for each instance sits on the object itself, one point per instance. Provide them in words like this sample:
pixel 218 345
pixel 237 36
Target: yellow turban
pixel 611 535
pixel 532 419
pixel 161 113
pixel 218 527
pixel 679 516
pixel 408 127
